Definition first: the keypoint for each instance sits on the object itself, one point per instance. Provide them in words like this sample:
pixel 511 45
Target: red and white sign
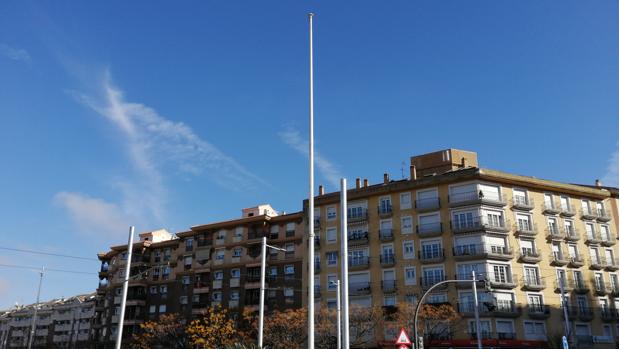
pixel 403 346
pixel 403 339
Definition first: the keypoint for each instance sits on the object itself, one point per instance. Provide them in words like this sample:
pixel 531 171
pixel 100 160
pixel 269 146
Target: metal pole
pixel 310 294
pixel 565 310
pixel 344 265
pixel 36 307
pixel 476 304
pixel 263 268
pixel 339 316
pixel 123 302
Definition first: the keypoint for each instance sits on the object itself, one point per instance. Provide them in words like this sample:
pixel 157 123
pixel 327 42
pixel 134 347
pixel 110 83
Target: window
pixel 331 213
pixel 410 276
pixel 331 235
pixel 385 205
pixel 288 292
pixel 407 225
pixel 520 197
pixel 273 271
pixel 332 258
pixel 187 261
pixel 289 249
pixel 186 280
pixel 552 226
pixel 535 330
pixel 405 201
pixel 153 290
pixel 163 289
pixel 289 271
pixel 527 247
pixel 332 303
pixel 235 273
pixel 237 252
pixel 431 249
pixel 389 301
pixel 429 223
pixel 189 244
pixel 220 254
pixel 355 211
pixel 238 233
pixel 234 295
pixel 183 300
pixel 548 201
pixel 408 248
pixel 434 298
pixel 290 227
pixel 217 296
pixel 524 222
pixel 152 309
pixel 219 275
pixel 605 233
pixel 500 273
pixel 118 291
pixel 411 299
pixel 565 203
pixel 162 308
pixel 167 254
pixel 221 235
pixel 331 282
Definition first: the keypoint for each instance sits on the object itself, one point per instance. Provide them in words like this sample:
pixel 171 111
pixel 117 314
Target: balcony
pixel 317 293
pixel 611 264
pixel 526 229
pixel 528 255
pixel 428 282
pixel 388 286
pixel 571 234
pixel 593 237
pixel 480 224
pixel 385 235
pixel 585 313
pixel 430 229
pixel 385 211
pixel 533 283
pixel 607 314
pixel 550 208
pixel 480 283
pixel 609 240
pixel 433 256
pixel 523 203
pixel 358 263
pixel 587 213
pixel 567 286
pixel 600 288
pixel 475 198
pixel 387 259
pixel 426 205
pixel 317 267
pixel 507 309
pixel 317 240
pixel 553 233
pixel 572 312
pixel 316 223
pixel 558 258
pixel 467 309
pixel 603 215
pixel 358 238
pixel 576 261
pixel 580 286
pixel 597 263
pixel 359 288
pixel 538 311
pixel 567 211
pixel 357 215
pixel 504 281
pixel 472 252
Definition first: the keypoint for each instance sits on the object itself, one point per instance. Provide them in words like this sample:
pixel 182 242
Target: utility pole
pixel 33 328
pixel 123 302
pixel 344 260
pixel 310 294
pixel 476 304
pixel 263 268
pixel 565 310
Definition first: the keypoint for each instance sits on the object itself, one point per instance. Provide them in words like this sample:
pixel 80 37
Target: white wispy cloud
pixel 13 53
pixel 612 174
pixel 93 216
pixel 326 168
pixel 157 148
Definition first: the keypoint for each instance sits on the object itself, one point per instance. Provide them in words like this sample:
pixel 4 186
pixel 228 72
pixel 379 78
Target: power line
pixel 46 253
pixel 46 269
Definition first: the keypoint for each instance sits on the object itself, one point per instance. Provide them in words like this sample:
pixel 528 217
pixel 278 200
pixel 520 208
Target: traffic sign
pixel 403 346
pixel 403 338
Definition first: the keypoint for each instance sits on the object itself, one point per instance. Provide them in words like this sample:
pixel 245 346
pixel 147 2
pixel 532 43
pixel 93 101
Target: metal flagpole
pixel 263 268
pixel 123 302
pixel 339 316
pixel 36 307
pixel 310 294
pixel 344 265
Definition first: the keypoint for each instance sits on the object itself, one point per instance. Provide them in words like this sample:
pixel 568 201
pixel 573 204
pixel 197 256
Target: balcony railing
pixel 533 283
pixel 385 234
pixel 430 229
pixel 358 237
pixel 567 210
pixel 551 207
pixel 580 286
pixel 611 264
pixel 603 215
pixel 571 234
pixel 388 286
pixel 385 210
pixel 538 311
pixel 576 261
pixel 357 215
pixel 317 267
pixel 600 287
pixel 387 259
pixel 431 256
pixel 483 251
pixel 588 213
pixel 525 229
pixel 480 223
pixel 359 288
pixel 596 263
pixel 475 197
pixel 559 258
pixel 554 233
pixel 593 237
pixel 530 255
pixel 358 262
pixel 501 280
pixel 523 203
pixel 427 282
pixel 429 204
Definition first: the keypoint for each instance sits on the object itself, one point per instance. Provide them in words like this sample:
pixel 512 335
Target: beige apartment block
pixel 522 235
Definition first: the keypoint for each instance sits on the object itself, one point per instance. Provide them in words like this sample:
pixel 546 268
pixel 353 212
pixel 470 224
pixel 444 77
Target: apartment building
pixel 526 237
pixel 60 323
pixel 207 265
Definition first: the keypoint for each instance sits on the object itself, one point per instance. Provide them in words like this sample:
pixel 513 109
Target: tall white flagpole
pixel 344 264
pixel 310 293
pixel 123 301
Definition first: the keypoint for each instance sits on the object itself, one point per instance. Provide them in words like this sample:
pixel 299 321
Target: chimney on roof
pixel 358 183
pixel 464 162
pixel 413 170
pixel 321 190
pixel 386 178
pixel 598 183
pixel 365 182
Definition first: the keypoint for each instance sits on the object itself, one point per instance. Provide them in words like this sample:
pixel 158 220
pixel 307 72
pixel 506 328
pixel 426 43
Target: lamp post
pixel 339 313
pixel 477 322
pixel 263 268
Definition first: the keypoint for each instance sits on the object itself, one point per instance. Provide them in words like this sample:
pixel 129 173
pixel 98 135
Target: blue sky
pixel 170 115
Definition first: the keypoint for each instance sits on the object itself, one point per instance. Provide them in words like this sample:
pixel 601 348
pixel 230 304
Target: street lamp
pixel 263 268
pixel 476 305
